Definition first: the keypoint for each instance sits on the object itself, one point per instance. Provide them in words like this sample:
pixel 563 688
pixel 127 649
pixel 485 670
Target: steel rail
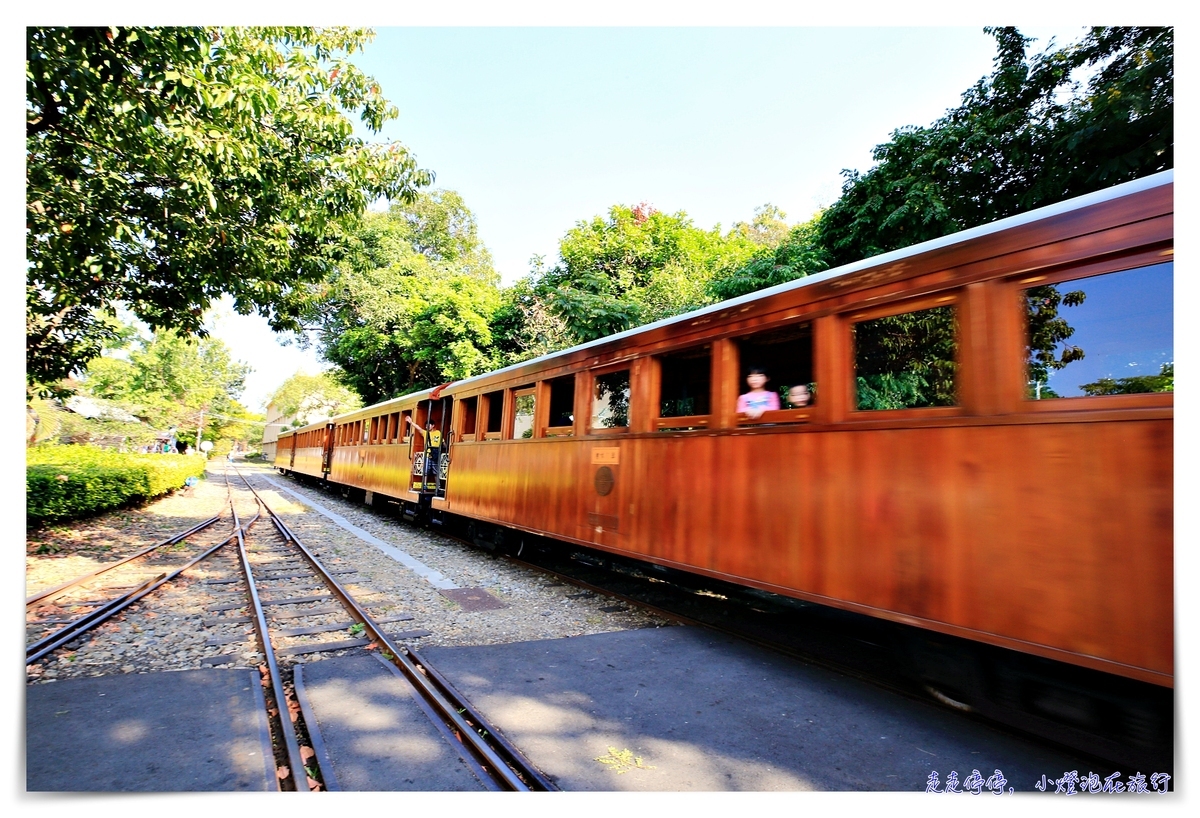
pixel 295 760
pixel 516 758
pixel 499 767
pixel 88 621
pixel 85 577
pixel 514 772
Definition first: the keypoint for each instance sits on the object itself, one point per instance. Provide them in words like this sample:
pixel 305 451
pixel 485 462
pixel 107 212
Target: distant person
pixel 758 400
pixel 799 396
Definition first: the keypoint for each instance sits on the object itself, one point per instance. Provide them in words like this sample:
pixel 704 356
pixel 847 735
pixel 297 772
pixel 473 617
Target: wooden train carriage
pixel 304 451
pixel 283 450
pixel 992 504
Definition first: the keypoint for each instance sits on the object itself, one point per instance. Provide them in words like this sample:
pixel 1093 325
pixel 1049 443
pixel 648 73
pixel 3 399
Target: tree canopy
pixel 308 398
pixel 167 382
pixel 411 302
pixel 1030 134
pixel 638 265
pixel 168 166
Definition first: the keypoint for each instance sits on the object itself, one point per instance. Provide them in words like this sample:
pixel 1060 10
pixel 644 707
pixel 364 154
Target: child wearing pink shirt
pixel 758 399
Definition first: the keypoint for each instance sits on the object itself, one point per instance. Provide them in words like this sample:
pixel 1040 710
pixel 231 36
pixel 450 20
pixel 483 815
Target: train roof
pixel 1078 203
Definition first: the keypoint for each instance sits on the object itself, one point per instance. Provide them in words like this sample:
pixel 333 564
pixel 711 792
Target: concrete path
pixel 373 732
pixel 195 730
pixel 679 708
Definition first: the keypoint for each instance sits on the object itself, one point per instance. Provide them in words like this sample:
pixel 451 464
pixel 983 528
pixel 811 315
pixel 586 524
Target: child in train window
pixel 758 400
pixel 799 396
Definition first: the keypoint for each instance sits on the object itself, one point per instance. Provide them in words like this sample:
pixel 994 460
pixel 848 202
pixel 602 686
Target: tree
pixel 412 301
pixel 308 398
pixel 167 166
pixel 1164 381
pixel 524 326
pixel 635 266
pixel 1029 135
pixel 174 382
pixel 768 228
pixel 797 255
pixel 1047 329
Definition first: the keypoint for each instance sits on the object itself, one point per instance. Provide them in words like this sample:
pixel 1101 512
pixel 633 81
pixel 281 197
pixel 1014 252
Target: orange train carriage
pixel 1029 507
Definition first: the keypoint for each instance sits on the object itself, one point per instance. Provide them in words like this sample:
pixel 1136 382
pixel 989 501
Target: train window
pixel 374 430
pixel 610 401
pixel 906 361
pixel 469 408
pixel 523 408
pixel 562 406
pixel 393 427
pixel 785 356
pixel 405 427
pixel 685 387
pixel 363 429
pixel 495 413
pixel 1109 334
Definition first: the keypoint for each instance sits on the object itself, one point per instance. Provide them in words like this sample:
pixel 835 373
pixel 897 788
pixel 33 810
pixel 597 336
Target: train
pixel 981 449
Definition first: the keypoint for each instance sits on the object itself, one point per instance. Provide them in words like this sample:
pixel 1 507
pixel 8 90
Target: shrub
pixel 68 482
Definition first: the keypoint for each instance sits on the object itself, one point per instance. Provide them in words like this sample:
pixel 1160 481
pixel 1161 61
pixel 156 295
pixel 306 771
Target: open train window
pixel 685 387
pixel 495 415
pixel 469 407
pixel 610 402
pixel 561 413
pixel 785 357
pixel 524 404
pixel 405 428
pixel 906 360
pixel 393 427
pixel 1110 334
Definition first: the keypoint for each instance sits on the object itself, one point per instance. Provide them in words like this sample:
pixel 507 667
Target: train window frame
pixel 772 417
pixel 599 372
pixel 1016 286
pixel 554 390
pixel 682 423
pixel 494 398
pixel 468 415
pixel 517 394
pixel 904 306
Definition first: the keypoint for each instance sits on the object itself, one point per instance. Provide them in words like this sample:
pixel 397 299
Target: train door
pixel 327 453
pixel 429 447
pixel 292 455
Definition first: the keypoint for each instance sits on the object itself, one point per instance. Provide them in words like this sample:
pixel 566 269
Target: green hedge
pixel 67 482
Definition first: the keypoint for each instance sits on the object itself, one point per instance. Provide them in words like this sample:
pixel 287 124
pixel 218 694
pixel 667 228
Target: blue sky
pixel 538 128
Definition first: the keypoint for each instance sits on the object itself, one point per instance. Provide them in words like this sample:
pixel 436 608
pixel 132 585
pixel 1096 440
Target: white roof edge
pixel 1165 177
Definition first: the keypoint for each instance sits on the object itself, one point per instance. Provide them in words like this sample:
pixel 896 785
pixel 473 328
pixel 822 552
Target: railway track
pixel 274 599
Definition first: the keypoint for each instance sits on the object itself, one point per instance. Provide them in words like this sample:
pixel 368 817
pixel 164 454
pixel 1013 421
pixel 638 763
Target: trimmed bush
pixel 68 482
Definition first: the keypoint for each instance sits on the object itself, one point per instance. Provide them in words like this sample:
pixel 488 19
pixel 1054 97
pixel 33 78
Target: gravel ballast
pixel 401 569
